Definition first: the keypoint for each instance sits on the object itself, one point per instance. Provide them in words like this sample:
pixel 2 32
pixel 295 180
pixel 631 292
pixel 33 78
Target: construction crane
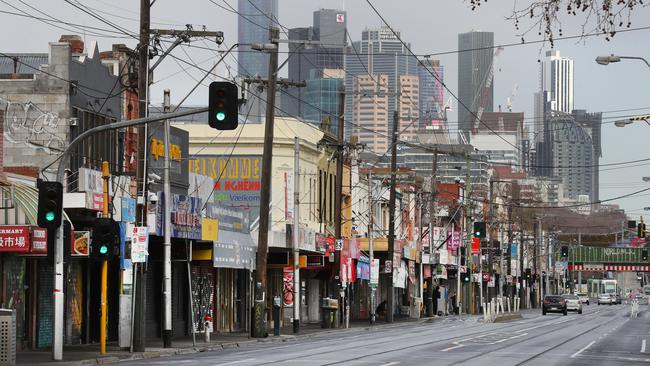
pixel 512 97
pixel 489 77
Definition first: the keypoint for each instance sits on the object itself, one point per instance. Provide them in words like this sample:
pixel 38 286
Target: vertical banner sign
pixel 287 286
pixel 139 244
pixel 374 272
pixel 476 245
pixel 288 197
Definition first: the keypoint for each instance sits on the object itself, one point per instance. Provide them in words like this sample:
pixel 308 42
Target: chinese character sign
pixel 14 238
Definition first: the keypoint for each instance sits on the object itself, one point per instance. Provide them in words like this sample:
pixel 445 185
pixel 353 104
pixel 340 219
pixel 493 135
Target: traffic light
pixel 565 251
pixel 479 229
pixel 631 224
pixel 640 230
pixel 50 205
pixel 644 254
pixel 528 275
pixel 223 106
pixel 105 239
pixel 465 277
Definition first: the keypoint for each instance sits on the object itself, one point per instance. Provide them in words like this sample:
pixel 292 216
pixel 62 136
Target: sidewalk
pixel 82 355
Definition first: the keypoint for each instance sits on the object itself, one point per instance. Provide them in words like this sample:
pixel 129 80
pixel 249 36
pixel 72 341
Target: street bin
pixel 329 309
pixel 7 337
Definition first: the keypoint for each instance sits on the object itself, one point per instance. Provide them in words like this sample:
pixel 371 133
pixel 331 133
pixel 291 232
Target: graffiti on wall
pixel 26 123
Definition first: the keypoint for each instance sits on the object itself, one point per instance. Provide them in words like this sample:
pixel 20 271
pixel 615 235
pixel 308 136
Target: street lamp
pixel 627 121
pixel 606 60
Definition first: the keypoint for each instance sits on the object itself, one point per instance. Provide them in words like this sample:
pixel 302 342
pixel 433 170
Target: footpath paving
pixel 82 355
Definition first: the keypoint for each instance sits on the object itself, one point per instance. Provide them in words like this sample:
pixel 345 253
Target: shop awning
pixel 25 199
pixel 234 250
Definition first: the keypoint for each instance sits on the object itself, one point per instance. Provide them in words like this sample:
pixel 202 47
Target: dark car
pixel 554 303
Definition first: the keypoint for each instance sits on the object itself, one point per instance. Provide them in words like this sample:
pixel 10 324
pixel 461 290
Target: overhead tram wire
pixel 80 6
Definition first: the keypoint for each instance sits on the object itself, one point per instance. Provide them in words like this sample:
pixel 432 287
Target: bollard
pixel 508 303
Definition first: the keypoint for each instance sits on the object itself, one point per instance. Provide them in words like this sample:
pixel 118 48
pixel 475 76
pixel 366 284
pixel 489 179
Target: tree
pixel 604 17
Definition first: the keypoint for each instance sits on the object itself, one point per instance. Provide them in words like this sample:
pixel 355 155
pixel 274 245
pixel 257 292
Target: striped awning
pixel 25 199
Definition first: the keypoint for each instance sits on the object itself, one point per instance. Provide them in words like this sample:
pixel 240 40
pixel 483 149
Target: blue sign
pixel 128 209
pixel 513 250
pixel 124 262
pixel 185 216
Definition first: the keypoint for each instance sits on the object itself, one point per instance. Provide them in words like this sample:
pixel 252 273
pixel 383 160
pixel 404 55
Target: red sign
pixel 39 240
pixel 486 277
pixel 476 245
pixel 14 238
pixel 287 286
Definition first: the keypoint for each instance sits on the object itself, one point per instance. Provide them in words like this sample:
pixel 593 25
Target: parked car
pixel 604 299
pixel 616 298
pixel 554 303
pixel 641 299
pixel 573 303
pixel 584 298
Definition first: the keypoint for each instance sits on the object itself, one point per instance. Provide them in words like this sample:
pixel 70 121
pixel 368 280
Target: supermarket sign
pixel 14 238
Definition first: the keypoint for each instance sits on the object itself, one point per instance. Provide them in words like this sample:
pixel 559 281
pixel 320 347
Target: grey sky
pixel 431 26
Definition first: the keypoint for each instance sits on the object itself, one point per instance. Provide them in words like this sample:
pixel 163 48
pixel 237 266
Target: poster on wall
pixel 287 286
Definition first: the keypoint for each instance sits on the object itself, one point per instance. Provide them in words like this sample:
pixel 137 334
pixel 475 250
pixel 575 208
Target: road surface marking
pixel 234 362
pixel 453 347
pixel 643 346
pixel 582 349
pixel 391 363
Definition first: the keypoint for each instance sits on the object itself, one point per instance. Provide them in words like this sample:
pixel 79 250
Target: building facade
pixel 555 87
pixel 432 108
pixel 253 23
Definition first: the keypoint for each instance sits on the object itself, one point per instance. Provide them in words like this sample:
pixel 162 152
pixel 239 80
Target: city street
pixel 602 335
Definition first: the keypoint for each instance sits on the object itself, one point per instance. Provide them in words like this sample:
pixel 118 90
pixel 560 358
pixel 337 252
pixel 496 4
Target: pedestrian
pixel 436 295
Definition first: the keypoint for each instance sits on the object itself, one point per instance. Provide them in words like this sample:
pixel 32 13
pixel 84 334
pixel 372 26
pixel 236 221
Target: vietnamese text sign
pixel 14 238
pixel 39 240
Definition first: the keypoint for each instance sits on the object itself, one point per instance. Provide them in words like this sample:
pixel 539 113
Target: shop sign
pixel 39 240
pixel 287 286
pixel 412 271
pixel 363 270
pixel 476 245
pixel 233 255
pixel 14 238
pixel 426 271
pixel 324 244
pixel 237 180
pixel 90 180
pixel 95 201
pixel 388 266
pixel 307 239
pixel 128 209
pixel 185 216
pixel 374 272
pixel 139 244
pixel 486 277
pixel 230 218
pixel 81 243
pixel 513 250
pixel 178 172
pixel 210 229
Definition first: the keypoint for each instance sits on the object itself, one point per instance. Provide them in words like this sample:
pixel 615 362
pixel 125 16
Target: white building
pixel 555 86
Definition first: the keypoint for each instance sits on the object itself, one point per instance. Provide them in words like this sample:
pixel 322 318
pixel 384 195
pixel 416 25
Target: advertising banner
pixel 128 209
pixel 287 286
pixel 139 244
pixel 185 216
pixel 374 272
pixel 236 181
pixel 39 240
pixel 210 229
pixel 81 243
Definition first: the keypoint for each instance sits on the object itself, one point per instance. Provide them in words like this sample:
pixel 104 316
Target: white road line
pixel 582 349
pixel 643 346
pixel 390 363
pixel 451 348
pixel 234 362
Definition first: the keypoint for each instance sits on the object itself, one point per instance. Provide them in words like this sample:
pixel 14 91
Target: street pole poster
pixel 374 272
pixel 139 244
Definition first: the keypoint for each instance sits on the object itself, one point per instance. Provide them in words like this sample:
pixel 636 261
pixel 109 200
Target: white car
pixel 583 298
pixel 573 303
pixel 604 299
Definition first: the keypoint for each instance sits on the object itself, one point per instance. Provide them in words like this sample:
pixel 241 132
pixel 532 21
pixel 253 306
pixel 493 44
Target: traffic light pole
pixel 102 325
pixel 167 245
pixel 57 329
pixel 390 308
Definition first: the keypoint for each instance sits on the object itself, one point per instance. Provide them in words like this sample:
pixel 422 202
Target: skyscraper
pixel 431 76
pixel 556 79
pixel 316 62
pixel 475 59
pixel 381 76
pixel 254 20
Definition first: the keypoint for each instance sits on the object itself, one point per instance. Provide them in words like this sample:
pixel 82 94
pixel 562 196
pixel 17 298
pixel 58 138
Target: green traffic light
pixel 221 116
pixel 103 249
pixel 49 216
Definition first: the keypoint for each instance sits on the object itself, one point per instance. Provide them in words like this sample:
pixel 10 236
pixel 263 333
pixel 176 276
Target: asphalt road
pixel 602 335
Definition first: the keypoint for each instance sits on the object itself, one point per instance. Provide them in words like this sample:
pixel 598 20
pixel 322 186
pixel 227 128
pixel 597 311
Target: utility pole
pixel 432 206
pixel 139 325
pixel 390 308
pixel 522 290
pixel 371 224
pixel 167 245
pixel 296 235
pixel 338 193
pixel 510 286
pixel 259 314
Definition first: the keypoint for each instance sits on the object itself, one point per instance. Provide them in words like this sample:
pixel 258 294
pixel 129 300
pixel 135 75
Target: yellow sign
pixel 234 167
pixel 158 150
pixel 209 229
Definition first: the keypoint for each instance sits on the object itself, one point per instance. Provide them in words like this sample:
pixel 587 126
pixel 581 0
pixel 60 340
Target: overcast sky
pixel 431 27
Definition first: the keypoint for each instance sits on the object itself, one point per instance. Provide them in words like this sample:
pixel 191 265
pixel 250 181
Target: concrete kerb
pixel 501 318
